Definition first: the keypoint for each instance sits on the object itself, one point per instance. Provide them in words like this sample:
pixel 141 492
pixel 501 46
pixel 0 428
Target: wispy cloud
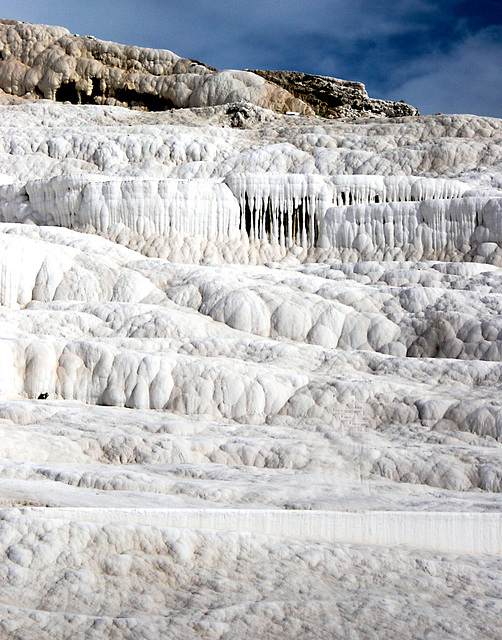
pixel 466 79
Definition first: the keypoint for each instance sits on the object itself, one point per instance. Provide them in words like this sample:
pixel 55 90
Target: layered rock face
pixel 241 354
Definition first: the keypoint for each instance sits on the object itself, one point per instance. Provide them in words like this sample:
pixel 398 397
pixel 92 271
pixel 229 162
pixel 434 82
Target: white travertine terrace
pixel 137 189
pixel 283 209
pixel 249 376
pixel 451 532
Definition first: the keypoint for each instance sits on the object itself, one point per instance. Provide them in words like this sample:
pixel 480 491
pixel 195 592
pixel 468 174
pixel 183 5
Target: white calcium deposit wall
pixel 476 533
pixel 146 207
pixel 430 229
pixel 352 217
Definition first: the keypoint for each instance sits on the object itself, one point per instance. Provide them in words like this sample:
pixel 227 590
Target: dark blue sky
pixel 439 56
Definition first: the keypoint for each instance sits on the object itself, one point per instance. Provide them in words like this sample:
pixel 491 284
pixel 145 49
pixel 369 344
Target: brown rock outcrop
pixel 334 98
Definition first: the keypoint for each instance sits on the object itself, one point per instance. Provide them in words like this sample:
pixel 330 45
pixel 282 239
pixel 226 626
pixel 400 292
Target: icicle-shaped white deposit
pixel 146 207
pixel 283 208
pixel 378 216
pixel 431 229
pixel 288 208
pixel 357 189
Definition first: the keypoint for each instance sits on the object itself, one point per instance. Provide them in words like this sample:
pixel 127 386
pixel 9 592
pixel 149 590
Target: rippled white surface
pixel 297 316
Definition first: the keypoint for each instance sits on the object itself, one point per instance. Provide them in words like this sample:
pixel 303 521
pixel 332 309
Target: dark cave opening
pixel 144 100
pixel 67 92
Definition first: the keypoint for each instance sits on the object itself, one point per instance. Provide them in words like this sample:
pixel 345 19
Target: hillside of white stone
pixel 294 315
pixel 41 61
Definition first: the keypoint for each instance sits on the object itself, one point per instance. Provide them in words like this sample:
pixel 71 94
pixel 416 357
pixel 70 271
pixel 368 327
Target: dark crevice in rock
pixel 146 101
pixel 68 92
pixel 261 223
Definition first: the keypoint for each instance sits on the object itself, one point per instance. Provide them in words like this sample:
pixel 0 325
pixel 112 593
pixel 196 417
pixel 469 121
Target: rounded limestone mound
pixel 40 61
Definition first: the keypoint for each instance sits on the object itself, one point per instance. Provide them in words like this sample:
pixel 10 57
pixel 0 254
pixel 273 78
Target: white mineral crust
pixel 271 357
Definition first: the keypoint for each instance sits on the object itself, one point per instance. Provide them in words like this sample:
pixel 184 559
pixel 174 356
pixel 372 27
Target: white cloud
pixel 467 79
